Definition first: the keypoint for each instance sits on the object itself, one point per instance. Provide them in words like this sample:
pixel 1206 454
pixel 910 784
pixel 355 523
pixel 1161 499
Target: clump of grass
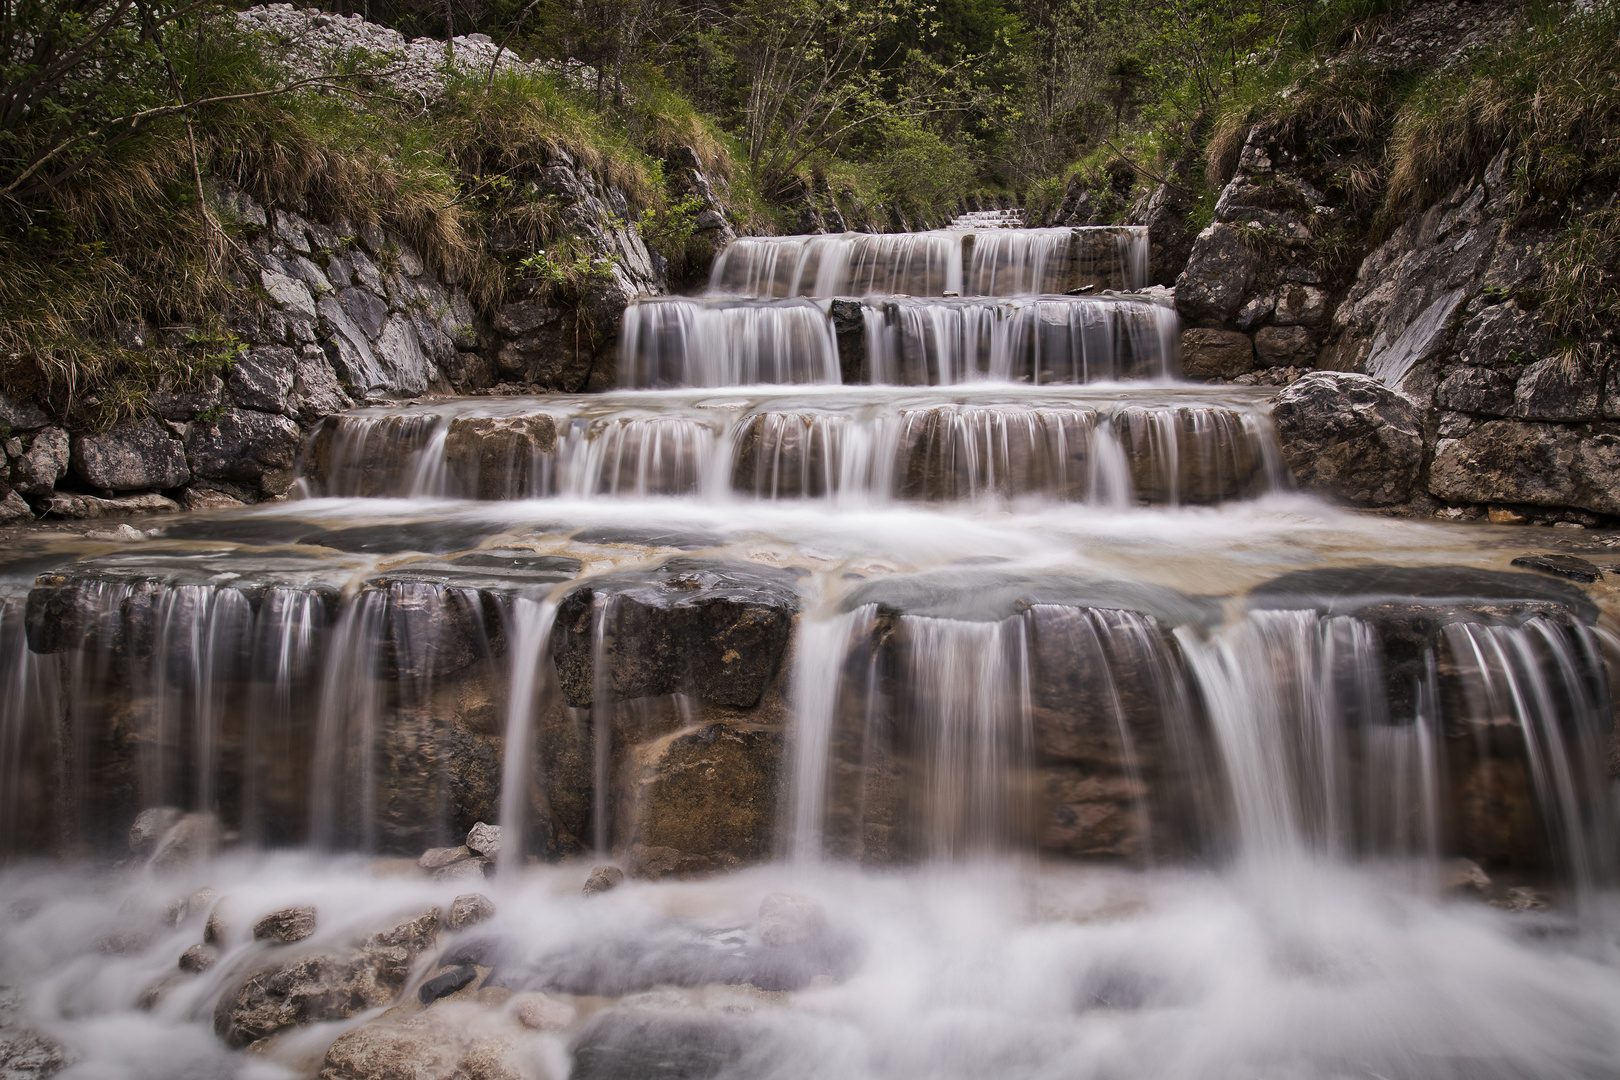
pixel 1552 96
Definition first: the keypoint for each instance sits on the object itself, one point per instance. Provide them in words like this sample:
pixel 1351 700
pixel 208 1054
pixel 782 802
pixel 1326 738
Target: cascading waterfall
pixel 901 551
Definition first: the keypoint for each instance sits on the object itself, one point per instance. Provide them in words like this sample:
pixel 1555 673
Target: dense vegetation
pixel 117 118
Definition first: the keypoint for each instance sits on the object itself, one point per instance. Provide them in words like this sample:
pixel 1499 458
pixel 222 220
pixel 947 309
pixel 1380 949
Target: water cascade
pixel 962 694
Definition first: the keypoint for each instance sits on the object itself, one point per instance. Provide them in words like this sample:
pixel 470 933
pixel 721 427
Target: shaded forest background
pixel 118 118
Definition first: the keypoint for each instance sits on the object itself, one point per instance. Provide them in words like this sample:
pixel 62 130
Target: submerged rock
pixel 326 984
pixel 444 1043
pixel 714 629
pixel 286 926
pixel 602 879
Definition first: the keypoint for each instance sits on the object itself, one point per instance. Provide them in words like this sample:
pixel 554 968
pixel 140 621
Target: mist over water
pixel 1091 749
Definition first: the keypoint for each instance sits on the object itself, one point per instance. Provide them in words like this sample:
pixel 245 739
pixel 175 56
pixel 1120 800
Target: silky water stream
pixel 964 696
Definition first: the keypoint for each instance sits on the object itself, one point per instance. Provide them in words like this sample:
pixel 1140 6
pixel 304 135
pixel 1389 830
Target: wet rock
pixel 1217 278
pixel 216 931
pixel 26 1054
pixel 702 800
pixel 131 457
pixel 191 907
pixel 328 984
pixel 316 391
pixel 67 505
pixel 446 983
pixel 150 827
pixel 494 457
pixel 602 879
pixel 785 919
pixel 286 926
pixel 470 909
pixel 192 837
pixel 1350 436
pixel 542 1012
pixel 1216 354
pixel 636 1044
pixel 1463 877
pixel 1089 815
pixel 43 463
pixel 1566 566
pixel 1506 461
pixel 121 534
pixel 485 839
pixel 713 629
pixel 1520 899
pixel 1476 390
pixel 474 869
pixel 436 858
pixel 243 445
pixel 446 1043
pixel 849 328
pixel 199 958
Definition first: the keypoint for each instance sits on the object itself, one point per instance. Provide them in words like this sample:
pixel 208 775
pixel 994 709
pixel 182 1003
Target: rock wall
pixel 1494 417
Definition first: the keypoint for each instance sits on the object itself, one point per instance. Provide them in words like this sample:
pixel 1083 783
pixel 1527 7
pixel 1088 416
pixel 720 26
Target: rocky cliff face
pixel 334 313
pixel 1440 314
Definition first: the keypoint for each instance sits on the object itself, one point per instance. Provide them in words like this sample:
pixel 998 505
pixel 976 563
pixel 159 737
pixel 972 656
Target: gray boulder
pixel 1350 436
pixel 242 445
pixel 263 379
pixel 131 457
pixel 1217 277
pixel 1476 390
pixel 1506 461
pixel 43 463
pixel 20 415
pixel 1216 354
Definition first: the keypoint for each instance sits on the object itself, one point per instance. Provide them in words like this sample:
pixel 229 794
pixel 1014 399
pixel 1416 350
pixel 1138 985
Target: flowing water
pixel 1094 749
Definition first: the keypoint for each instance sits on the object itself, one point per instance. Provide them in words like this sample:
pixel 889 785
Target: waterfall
pixel 708 343
pixel 531 679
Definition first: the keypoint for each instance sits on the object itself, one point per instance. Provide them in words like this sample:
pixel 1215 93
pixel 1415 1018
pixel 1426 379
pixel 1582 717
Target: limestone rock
pixel 131 457
pixel 326 984
pixel 785 919
pixel 20 415
pixel 315 389
pixel 435 858
pixel 1350 436
pixel 286 926
pixel 1299 305
pixel 706 627
pixel 43 463
pixel 448 1042
pixel 190 838
pixel 1217 278
pixel 263 379
pixel 150 826
pixel 199 958
pixel 602 879
pixel 243 445
pixel 67 505
pixel 1503 336
pixel 703 799
pixel 1216 354
pixel 474 869
pixel 470 909
pixel 542 1012
pixel 493 457
pixel 1560 565
pixel 485 839
pixel 1283 346
pixel 1556 389
pixel 13 508
pixel 1506 461
pixel 182 403
pixel 1476 390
